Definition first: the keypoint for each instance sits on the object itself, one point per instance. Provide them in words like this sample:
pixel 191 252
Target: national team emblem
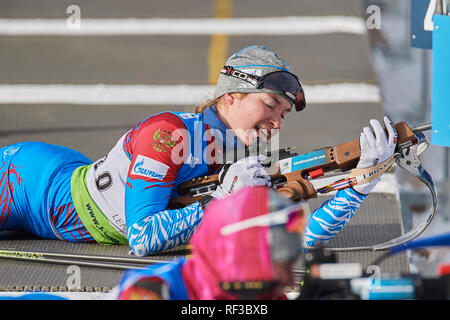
pixel 163 141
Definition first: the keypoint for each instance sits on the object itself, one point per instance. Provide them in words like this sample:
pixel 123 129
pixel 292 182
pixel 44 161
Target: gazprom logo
pixel 149 168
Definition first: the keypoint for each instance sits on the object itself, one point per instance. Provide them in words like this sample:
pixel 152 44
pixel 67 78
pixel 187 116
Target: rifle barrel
pixel 424 127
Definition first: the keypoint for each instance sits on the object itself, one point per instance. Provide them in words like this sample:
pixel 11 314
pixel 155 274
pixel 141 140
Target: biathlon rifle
pixel 292 174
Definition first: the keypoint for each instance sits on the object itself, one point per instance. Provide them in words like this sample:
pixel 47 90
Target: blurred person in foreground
pixel 244 248
pixel 55 192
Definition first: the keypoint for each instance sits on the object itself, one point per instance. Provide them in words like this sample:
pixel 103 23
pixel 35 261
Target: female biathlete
pixel 55 192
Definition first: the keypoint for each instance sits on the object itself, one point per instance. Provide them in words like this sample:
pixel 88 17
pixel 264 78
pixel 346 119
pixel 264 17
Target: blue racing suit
pixel 35 191
pixel 57 193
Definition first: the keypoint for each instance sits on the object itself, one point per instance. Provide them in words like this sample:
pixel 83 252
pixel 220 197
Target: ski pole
pixel 100 261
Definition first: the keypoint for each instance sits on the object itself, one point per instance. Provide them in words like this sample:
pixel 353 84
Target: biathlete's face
pixel 256 115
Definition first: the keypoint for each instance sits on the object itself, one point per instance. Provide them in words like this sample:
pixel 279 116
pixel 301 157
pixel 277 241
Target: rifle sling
pixel 365 175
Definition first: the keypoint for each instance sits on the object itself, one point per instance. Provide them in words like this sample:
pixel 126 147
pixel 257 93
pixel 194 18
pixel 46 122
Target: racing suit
pixel 57 193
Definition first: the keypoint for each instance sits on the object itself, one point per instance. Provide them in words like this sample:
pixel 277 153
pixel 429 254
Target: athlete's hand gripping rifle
pixel 292 175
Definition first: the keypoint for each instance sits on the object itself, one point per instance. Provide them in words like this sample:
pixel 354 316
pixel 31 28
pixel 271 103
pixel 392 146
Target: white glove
pixel 245 172
pixel 375 149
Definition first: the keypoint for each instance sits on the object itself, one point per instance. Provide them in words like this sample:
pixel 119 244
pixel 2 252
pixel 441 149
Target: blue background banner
pixel 440 111
pixel 419 37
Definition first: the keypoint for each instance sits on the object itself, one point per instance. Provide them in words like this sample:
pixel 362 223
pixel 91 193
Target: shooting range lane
pixel 323 125
pixel 177 59
pixel 69 125
pixel 20 9
pixel 378 220
pixel 156 59
pixel 107 60
pixel 23 275
pixel 32 276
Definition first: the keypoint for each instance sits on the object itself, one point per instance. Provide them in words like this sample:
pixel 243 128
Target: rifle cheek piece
pixel 298 190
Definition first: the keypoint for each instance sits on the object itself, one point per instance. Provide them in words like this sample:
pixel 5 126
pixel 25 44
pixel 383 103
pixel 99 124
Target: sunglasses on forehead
pixel 283 81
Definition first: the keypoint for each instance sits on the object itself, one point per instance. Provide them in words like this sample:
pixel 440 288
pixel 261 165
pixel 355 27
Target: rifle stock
pixel 295 172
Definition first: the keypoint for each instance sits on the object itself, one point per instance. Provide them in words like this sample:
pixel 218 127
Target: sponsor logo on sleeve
pixel 149 168
pixel 188 115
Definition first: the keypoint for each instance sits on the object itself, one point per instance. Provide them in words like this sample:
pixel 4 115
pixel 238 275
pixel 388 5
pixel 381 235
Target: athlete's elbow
pixel 139 249
pixel 137 245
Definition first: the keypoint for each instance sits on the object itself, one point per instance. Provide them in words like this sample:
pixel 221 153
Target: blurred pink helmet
pixel 239 239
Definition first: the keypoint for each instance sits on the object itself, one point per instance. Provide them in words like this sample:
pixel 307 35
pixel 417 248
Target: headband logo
pixel 253 72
